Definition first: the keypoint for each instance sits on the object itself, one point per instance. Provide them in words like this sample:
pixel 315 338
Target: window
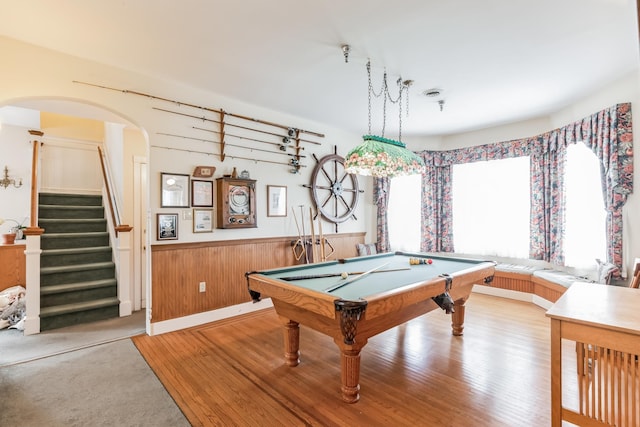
pixel 491 207
pixel 404 213
pixel 585 215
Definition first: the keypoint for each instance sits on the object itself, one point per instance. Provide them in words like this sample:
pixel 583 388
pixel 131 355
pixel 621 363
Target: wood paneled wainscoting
pixel 178 269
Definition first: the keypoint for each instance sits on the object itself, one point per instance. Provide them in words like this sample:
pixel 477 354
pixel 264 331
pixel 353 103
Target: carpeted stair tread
pixel 46 221
pixel 79 306
pixel 71 235
pixel 79 267
pixel 69 199
pixel 68 251
pixel 72 287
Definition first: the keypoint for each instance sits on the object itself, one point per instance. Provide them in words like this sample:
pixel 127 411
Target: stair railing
pixel 33 250
pixel 113 205
pixel 123 254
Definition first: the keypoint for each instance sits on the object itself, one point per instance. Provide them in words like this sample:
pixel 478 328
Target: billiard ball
pixel 344 275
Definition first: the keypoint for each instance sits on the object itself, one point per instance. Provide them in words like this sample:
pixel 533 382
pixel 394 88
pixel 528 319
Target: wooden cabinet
pixel 236 203
pixel 12 266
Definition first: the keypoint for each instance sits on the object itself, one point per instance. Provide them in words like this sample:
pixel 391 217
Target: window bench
pixel 542 282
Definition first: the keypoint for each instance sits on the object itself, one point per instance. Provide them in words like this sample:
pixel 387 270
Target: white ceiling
pixel 497 61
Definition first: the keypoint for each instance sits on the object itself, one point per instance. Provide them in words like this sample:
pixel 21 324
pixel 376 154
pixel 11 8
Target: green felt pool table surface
pixel 381 281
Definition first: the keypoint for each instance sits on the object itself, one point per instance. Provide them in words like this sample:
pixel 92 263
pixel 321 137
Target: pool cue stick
pixel 350 273
pixel 358 277
pixel 304 236
pixel 322 257
pixel 314 254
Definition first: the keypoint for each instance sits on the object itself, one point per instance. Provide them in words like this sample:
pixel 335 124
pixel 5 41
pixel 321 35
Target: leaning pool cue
pixel 322 257
pixel 304 236
pixel 314 255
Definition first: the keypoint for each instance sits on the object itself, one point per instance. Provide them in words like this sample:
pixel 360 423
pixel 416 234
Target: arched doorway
pixel 131 175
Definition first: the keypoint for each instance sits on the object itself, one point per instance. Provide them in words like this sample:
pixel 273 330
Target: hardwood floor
pixel 233 372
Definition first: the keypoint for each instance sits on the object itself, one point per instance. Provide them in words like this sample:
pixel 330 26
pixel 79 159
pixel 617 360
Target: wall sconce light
pixel 6 181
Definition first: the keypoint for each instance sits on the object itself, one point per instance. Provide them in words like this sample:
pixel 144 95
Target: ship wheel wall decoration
pixel 334 192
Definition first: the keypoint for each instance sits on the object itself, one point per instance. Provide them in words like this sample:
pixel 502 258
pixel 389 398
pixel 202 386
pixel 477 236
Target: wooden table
pixel 358 310
pixel 604 321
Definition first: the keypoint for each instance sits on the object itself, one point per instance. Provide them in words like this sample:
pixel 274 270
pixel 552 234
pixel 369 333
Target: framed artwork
pixel 175 190
pixel 201 193
pixel 202 220
pixel 167 226
pixel 276 200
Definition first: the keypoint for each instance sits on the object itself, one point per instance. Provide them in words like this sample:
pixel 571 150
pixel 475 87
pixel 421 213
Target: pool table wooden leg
pixel 291 342
pixel 350 371
pixel 457 317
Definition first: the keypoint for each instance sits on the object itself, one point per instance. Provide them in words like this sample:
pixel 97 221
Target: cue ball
pixel 344 275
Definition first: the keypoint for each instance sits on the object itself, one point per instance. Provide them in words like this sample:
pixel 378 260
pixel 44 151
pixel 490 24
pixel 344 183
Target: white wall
pixel 16 151
pixel 32 72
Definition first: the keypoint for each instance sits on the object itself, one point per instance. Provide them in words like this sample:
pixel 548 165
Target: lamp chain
pixel 384 91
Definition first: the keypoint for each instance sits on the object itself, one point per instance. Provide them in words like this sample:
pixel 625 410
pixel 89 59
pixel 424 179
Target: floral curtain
pixel 609 135
pixel 381 188
pixel 436 227
pixel 546 226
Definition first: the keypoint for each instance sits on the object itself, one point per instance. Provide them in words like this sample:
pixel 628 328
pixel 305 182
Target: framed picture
pixel 202 220
pixel 276 200
pixel 201 193
pixel 167 226
pixel 175 190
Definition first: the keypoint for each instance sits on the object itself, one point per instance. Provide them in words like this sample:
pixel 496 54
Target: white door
pixel 139 233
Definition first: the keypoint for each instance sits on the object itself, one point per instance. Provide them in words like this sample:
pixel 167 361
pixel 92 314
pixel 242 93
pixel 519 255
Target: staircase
pixel 77 274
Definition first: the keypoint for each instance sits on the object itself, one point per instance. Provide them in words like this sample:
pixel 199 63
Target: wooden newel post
pixel 33 251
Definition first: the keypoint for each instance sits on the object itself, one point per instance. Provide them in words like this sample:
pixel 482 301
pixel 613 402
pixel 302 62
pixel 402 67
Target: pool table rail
pixel 276 289
pixel 397 299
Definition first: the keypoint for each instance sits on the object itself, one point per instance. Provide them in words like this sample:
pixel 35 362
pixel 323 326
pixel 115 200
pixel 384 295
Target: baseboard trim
pixel 249 307
pixel 207 317
pixel 515 295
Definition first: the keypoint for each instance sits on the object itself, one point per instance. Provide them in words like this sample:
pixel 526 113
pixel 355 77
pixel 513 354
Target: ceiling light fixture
pixel 378 156
pixel 346 49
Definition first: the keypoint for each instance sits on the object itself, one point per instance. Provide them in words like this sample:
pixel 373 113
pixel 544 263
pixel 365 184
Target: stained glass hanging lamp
pixel 378 156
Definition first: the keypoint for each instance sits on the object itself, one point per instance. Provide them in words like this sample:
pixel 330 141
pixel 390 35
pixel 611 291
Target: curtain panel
pixel 381 187
pixel 437 205
pixel 608 133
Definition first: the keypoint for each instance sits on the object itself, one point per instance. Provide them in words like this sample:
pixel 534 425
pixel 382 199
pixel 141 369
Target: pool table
pixel 354 299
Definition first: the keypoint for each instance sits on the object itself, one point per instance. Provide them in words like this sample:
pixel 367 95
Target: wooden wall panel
pixel 12 266
pixel 177 270
pixel 512 281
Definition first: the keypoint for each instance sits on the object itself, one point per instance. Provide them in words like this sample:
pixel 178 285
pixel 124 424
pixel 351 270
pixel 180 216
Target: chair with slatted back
pixel 635 279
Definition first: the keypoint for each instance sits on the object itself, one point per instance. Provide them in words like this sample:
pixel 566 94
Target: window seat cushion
pixel 560 277
pixel 366 249
pixel 526 270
